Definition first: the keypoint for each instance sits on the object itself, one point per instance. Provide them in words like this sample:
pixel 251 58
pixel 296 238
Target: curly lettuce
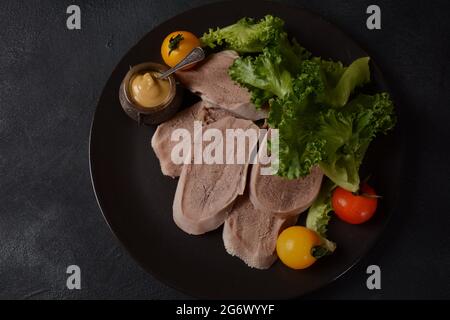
pixel 334 139
pixel 319 214
pixel 264 72
pixel 247 35
pixel 341 82
pixel 348 133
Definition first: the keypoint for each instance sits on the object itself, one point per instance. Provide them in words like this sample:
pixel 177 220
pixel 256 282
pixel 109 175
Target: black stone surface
pixel 51 78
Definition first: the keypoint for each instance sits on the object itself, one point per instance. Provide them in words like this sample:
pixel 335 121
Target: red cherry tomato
pixel 354 209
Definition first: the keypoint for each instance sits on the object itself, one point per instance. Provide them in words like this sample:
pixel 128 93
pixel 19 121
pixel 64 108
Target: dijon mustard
pixel 148 91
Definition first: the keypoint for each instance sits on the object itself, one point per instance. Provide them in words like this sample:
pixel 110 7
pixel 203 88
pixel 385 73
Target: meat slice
pixel 211 81
pixel 161 140
pixel 251 234
pixel 281 196
pixel 206 192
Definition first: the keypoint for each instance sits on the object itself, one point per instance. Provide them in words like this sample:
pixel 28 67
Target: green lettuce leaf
pixel 319 214
pixel 270 73
pixel 332 70
pixel 295 117
pixel 340 82
pixel 335 139
pixel 247 35
pixel 264 72
pixel 348 133
pixel 334 82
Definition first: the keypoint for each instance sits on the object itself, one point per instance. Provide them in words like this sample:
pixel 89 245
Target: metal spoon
pixel 197 54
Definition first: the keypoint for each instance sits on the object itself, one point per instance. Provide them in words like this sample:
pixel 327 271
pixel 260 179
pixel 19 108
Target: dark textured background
pixel 51 78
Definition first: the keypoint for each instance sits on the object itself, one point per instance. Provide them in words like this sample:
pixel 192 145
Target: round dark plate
pixel 136 199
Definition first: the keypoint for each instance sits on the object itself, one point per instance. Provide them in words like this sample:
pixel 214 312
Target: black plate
pixel 136 199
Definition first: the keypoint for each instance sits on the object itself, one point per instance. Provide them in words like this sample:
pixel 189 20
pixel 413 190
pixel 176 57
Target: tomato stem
pixel 319 252
pixel 174 42
pixel 371 195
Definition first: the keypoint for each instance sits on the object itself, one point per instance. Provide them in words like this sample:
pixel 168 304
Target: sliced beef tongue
pixel 214 114
pixel 206 192
pixel 251 234
pixel 211 81
pixel 281 196
pixel 161 140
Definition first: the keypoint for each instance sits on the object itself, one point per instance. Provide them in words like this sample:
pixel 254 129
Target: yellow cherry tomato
pixel 177 45
pixel 295 246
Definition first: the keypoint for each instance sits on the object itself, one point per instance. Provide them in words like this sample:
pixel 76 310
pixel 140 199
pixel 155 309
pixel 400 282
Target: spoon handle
pixel 197 54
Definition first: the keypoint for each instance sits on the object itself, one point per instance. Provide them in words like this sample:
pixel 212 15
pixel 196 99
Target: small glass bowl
pixel 154 115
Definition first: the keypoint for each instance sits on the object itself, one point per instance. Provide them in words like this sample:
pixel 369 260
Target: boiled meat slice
pixel 161 140
pixel 281 196
pixel 251 234
pixel 211 81
pixel 206 192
